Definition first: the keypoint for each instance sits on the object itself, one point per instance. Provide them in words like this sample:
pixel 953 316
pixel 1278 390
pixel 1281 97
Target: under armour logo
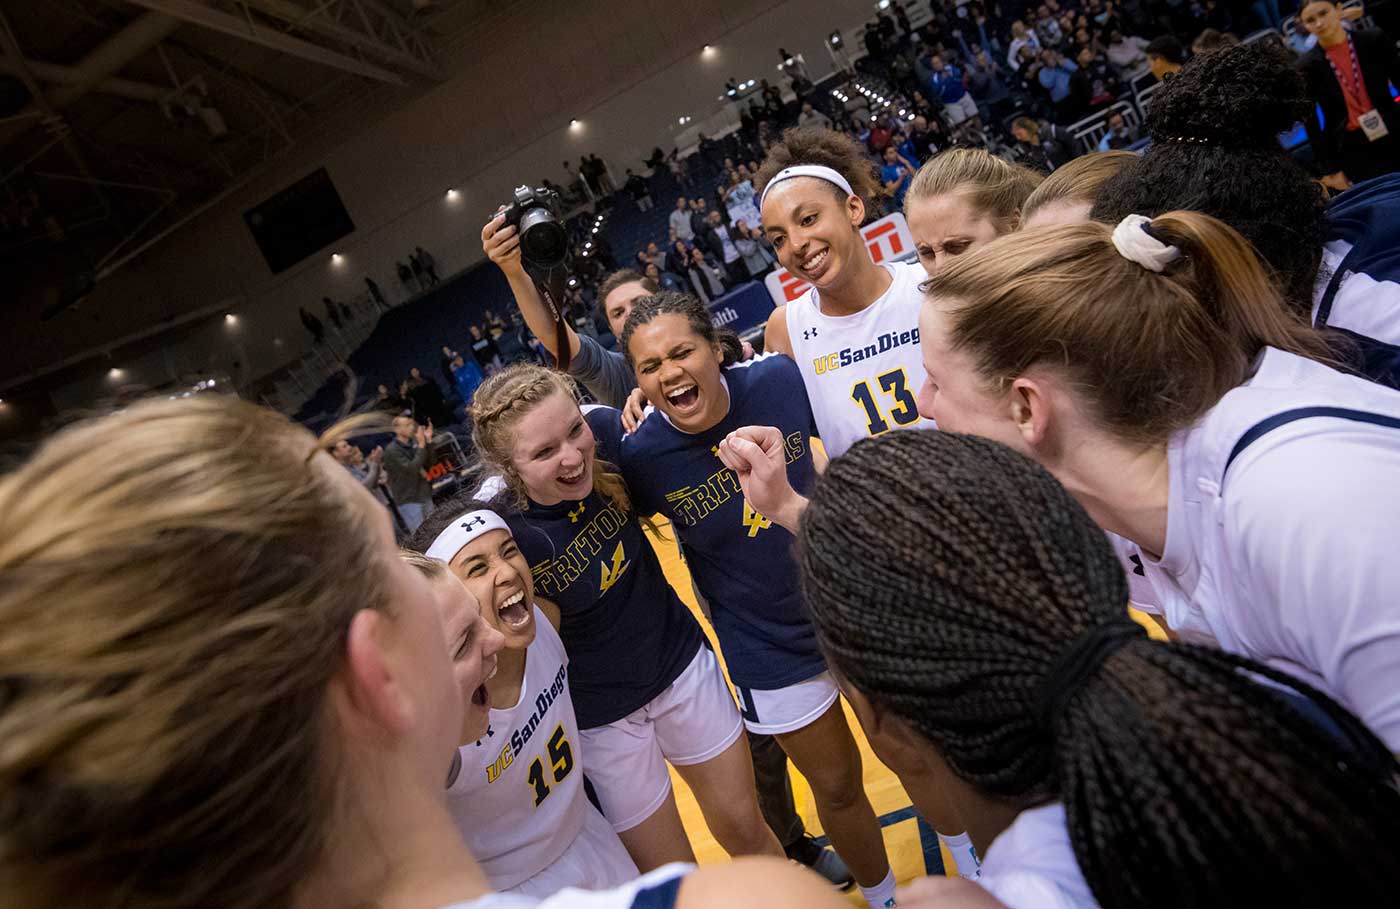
pixel 1137 565
pixel 714 450
pixel 489 733
pixel 576 514
pixel 476 521
pixel 808 334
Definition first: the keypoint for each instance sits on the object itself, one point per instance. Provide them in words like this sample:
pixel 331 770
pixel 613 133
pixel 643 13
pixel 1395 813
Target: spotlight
pixel 573 282
pixel 230 319
pixel 732 93
pixel 336 258
pixel 883 4
pixel 451 194
pixel 115 373
pixel 834 39
pixel 574 123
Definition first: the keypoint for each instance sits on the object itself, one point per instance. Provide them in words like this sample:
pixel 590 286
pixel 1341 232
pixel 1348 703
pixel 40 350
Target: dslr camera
pixel 544 243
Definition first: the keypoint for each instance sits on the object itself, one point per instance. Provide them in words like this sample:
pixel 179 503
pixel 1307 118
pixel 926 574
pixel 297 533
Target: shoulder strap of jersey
pixel 659 896
pixel 1283 418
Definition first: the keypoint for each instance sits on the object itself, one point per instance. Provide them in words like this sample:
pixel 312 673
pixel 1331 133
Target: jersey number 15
pixel 561 759
pixel 895 385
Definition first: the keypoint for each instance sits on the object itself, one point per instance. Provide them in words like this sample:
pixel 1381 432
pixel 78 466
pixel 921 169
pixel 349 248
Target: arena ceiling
pixel 120 119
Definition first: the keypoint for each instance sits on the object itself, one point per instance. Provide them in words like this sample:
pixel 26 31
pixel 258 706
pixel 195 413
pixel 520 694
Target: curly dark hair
pixel 947 576
pixel 1214 150
pixel 669 302
pixel 838 151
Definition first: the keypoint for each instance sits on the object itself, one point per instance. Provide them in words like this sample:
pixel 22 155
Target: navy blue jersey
pixel 1361 295
pixel 742 562
pixel 627 634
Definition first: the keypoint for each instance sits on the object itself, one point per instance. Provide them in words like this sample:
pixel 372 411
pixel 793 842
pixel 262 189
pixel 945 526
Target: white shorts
pixel 965 108
pixel 690 722
pixel 596 860
pixel 787 709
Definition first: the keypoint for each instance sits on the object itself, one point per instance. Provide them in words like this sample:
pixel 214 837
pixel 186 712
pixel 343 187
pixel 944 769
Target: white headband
pixel 806 170
pixel 1134 243
pixel 456 535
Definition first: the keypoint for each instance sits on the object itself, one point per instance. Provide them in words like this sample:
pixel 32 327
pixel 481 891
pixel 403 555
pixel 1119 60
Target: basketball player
pixel 855 335
pixel 223 687
pixel 962 199
pixel 516 789
pixel 741 564
pixel 647 687
pixel 1103 768
pixel 1154 370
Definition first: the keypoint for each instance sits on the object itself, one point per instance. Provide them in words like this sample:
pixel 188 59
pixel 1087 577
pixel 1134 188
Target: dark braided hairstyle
pixel 947 575
pixel 670 302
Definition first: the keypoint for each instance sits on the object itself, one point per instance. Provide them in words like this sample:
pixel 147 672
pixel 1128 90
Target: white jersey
pixel 1289 558
pixel 654 890
pixel 1031 864
pixel 863 372
pixel 518 797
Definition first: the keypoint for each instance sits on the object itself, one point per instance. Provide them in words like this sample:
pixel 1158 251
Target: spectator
pixel 699 217
pixel 878 139
pixel 1165 55
pixel 728 252
pixel 1021 37
pixel 895 174
pixel 810 116
pixel 1212 40
pixel 1040 149
pixel 405 277
pixel 376 294
pixel 1119 135
pixel 604 178
pixel 1129 54
pixel 677 258
pixel 1347 76
pixel 664 279
pixel 485 350
pixel 389 401
pixel 680 220
pixel 429 406
pixel 448 355
pixel 751 248
pixel 428 264
pixel 313 325
pixel 332 312
pixel 946 82
pixel 987 87
pixel 640 191
pixel 415 267
pixel 495 325
pixel 1049 30
pixel 1101 79
pixel 652 256
pixel 466 377
pixel 705 277
pixel 367 470
pixel 1068 195
pixel 1056 76
pixel 405 463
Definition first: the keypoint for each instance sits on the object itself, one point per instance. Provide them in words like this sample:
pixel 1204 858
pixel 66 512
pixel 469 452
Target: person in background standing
pixel 1347 75
pixel 637 187
pixel 313 325
pixel 405 277
pixel 485 350
pixel 429 264
pixel 415 266
pixel 895 173
pixel 405 462
pixel 748 241
pixel 376 294
pixel 680 220
pixel 332 312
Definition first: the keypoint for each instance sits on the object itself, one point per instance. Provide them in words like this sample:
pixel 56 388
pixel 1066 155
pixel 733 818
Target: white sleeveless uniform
pixel 1031 864
pixel 518 797
pixel 1289 556
pixel 863 372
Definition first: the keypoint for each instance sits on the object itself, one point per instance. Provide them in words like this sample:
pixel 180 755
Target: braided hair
pixel 1185 783
pixel 670 302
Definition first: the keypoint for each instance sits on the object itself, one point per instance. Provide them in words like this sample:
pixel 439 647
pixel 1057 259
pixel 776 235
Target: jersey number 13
pixel 893 385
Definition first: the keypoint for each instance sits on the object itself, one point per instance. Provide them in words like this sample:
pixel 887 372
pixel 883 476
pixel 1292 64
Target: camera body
pixel 534 212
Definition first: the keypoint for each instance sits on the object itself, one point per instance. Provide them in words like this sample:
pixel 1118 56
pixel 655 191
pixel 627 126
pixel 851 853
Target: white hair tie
pixel 461 531
pixel 1134 243
pixel 806 170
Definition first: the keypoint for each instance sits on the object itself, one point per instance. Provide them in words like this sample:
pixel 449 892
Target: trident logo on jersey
pixel 887 240
pixel 612 572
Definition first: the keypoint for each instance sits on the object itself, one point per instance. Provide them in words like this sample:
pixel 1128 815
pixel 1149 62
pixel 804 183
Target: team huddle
pixel 935 493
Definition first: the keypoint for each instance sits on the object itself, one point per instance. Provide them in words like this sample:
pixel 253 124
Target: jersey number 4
pixel 561 759
pixel 894 385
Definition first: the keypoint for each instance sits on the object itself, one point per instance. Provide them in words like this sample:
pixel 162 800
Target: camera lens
pixel 543 240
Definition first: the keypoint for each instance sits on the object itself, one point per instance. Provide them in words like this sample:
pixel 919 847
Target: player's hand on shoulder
pixel 758 882
pixel 944 893
pixel 634 411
